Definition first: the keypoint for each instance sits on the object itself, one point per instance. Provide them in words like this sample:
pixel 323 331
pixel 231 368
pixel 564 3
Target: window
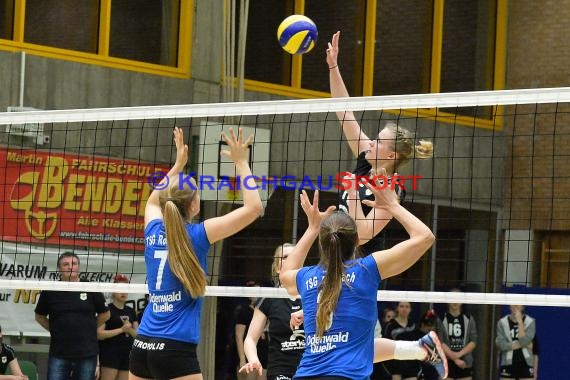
pixel 65 24
pixel 350 21
pixel 145 30
pixel 402 58
pixel 6 19
pixel 142 35
pixel 468 46
pixel 264 58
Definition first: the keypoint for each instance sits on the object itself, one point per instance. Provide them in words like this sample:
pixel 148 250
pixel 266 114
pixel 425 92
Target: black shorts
pixel 405 368
pixel 159 358
pixel 279 377
pixel 115 357
pixel 516 372
pixel 457 373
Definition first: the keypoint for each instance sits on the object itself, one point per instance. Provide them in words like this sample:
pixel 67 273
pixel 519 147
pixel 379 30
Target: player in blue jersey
pixel 165 347
pixel 340 308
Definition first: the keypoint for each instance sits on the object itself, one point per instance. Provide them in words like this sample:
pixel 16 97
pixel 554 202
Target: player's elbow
pixel 254 209
pixel 427 238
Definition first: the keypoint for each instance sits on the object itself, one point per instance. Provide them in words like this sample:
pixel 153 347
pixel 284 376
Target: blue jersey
pixel 347 347
pixel 171 313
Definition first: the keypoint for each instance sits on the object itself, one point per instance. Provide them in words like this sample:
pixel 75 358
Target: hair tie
pixel 334 235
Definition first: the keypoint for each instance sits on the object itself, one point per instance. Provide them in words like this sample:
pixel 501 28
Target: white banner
pixel 25 262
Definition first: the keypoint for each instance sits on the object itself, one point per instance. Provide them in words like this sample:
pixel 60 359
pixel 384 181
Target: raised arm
pixel 297 257
pixel 223 226
pixel 152 208
pixel 397 259
pixel 357 140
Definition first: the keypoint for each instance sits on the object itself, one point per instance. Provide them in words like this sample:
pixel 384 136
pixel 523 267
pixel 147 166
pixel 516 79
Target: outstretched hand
pixel 250 367
pixel 384 194
pixel 332 50
pixel 181 148
pixel 237 146
pixel 314 215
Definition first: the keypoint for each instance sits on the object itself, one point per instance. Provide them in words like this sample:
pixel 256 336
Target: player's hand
pixel 238 148
pixel 297 319
pixel 314 215
pixel 384 195
pixel 332 50
pixel 181 148
pixel 250 367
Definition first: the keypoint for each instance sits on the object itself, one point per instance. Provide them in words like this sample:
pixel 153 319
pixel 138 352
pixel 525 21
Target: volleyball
pixel 297 34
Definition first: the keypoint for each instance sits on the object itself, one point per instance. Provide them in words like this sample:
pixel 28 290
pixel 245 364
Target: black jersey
pixel 363 168
pixel 7 354
pixel 121 342
pixel 518 356
pixel 395 331
pixel 286 346
pixel 72 322
pixel 456 329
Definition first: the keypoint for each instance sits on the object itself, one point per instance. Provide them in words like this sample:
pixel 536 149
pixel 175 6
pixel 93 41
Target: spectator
pixel 8 360
pixel 116 336
pixel 402 328
pixel 459 336
pixel 387 315
pixel 428 322
pixel 515 333
pixel 72 319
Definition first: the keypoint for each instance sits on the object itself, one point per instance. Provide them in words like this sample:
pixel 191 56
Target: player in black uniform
pixel 286 343
pixel 393 147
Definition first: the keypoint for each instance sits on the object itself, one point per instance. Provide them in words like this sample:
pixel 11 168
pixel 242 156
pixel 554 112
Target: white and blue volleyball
pixel 297 34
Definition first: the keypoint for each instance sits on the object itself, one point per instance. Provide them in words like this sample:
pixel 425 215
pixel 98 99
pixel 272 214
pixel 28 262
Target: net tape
pixel 389 102
pixel 260 292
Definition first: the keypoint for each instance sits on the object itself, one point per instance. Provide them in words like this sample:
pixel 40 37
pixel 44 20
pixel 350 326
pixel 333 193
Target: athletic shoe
pixel 435 355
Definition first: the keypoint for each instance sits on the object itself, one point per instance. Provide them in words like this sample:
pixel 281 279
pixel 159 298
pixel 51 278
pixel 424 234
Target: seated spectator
pixel 8 360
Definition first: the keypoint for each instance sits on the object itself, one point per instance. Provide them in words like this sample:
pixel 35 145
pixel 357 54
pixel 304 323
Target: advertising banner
pixel 73 199
pixel 24 262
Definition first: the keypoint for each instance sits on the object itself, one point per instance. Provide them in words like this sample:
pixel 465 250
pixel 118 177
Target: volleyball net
pixel 494 193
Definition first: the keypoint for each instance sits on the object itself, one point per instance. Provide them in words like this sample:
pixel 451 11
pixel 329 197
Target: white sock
pixel 405 350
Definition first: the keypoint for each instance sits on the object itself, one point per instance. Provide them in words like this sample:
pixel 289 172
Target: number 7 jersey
pixel 171 313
